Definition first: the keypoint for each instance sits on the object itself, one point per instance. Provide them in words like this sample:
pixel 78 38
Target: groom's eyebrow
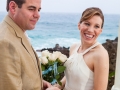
pixel 32 7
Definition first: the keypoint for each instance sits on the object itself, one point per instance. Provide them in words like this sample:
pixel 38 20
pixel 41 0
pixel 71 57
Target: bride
pixel 87 67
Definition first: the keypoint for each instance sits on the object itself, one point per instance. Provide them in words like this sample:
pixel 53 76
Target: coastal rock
pixel 63 50
pixel 109 45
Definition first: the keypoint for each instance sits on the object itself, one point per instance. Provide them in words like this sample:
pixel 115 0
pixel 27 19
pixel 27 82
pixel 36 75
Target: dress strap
pixel 97 43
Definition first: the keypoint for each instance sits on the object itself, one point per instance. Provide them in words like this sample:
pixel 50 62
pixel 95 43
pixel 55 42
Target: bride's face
pixel 90 29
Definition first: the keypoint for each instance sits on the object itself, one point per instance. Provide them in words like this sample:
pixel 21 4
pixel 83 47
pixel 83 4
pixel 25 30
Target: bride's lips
pixel 89 36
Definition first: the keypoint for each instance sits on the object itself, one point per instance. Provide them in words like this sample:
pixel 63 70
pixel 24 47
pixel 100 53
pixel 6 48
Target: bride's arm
pixel 101 70
pixel 63 81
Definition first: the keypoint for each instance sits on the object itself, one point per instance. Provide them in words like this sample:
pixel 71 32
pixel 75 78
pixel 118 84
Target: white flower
pixel 52 57
pixel 63 58
pixel 45 53
pixel 57 54
pixel 44 60
pixel 52 65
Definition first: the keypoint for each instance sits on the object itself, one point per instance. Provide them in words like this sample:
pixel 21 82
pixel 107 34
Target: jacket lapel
pixel 39 67
pixel 24 40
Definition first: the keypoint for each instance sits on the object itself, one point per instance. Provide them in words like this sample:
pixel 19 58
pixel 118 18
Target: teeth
pixel 89 36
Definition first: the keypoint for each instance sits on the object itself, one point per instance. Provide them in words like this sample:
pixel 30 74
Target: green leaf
pixel 50 63
pixel 43 67
pixel 61 69
pixel 59 83
pixel 112 74
pixel 57 76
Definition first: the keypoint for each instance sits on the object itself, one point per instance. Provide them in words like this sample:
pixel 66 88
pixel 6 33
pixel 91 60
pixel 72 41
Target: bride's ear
pixel 101 30
pixel 78 26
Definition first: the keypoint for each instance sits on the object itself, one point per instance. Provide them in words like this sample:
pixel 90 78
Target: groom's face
pixel 28 15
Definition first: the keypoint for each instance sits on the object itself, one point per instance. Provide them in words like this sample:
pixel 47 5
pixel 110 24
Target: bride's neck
pixel 84 46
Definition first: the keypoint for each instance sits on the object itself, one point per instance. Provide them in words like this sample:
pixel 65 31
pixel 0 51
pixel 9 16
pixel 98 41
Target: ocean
pixel 61 28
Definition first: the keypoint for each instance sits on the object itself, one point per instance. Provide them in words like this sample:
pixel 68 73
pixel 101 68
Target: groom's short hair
pixel 18 2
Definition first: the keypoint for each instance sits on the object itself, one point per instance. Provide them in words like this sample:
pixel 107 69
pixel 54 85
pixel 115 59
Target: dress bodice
pixel 78 75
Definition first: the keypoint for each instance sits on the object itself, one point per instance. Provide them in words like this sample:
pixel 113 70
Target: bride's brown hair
pixel 90 12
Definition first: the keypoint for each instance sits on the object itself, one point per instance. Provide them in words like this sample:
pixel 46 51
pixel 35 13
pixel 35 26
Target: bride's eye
pixel 87 24
pixel 97 26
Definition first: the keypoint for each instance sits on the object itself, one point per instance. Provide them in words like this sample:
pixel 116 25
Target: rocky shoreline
pixel 109 45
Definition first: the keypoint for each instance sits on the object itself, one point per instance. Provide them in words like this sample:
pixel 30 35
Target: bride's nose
pixel 91 29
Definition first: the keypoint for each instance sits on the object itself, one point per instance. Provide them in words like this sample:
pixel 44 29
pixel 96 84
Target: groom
pixel 19 63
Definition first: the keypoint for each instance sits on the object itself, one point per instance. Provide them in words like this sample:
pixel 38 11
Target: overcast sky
pixel 75 6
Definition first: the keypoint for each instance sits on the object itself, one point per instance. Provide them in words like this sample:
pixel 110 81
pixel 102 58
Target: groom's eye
pixel 39 10
pixel 31 8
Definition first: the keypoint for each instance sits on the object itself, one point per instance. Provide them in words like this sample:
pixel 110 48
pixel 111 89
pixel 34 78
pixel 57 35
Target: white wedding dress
pixel 78 75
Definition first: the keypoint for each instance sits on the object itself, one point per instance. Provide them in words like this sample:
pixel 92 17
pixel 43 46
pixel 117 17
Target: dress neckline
pixel 94 45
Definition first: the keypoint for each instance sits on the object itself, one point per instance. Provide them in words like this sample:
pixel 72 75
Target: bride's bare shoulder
pixel 72 48
pixel 100 53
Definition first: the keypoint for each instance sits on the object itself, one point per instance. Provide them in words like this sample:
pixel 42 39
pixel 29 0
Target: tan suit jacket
pixel 19 64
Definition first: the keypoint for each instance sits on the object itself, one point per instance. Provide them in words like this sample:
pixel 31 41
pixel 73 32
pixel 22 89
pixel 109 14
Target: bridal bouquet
pixel 52 66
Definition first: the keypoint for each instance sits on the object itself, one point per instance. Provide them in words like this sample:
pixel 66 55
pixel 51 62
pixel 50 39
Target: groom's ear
pixel 12 7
